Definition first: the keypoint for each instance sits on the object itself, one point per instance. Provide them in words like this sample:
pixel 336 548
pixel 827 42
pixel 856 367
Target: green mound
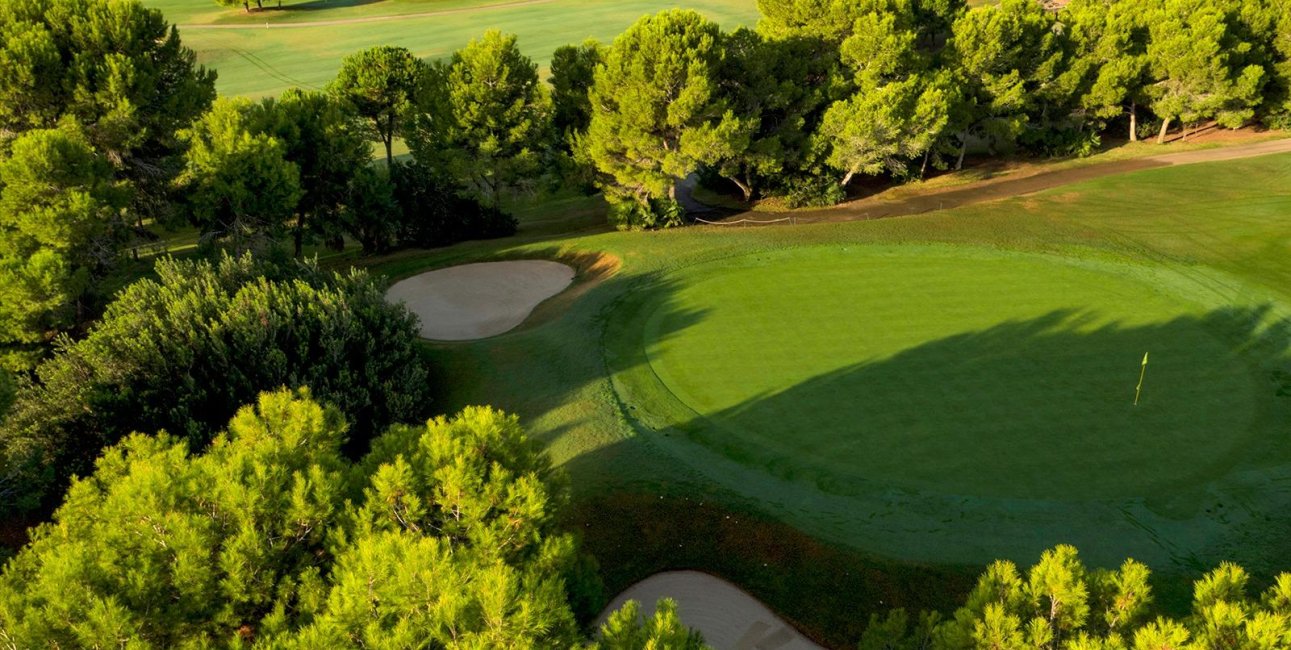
pixel 960 372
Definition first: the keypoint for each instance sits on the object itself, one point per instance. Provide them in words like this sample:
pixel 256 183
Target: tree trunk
pixel 1165 127
pixel 923 169
pixel 744 188
pixel 246 5
pixel 1134 122
pixel 389 142
pixel 299 235
pixel 963 149
pixel 847 179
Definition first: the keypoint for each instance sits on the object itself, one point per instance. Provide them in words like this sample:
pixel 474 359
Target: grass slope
pixel 1218 233
pixel 259 61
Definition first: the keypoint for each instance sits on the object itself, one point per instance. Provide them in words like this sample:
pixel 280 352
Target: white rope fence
pixel 746 221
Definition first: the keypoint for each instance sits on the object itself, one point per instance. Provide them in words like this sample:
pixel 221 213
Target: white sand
pixel 729 618
pixel 474 301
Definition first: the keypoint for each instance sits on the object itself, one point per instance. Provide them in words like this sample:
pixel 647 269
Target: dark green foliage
pixel 658 114
pixel 432 213
pixel 237 182
pixel 1059 603
pixel 382 83
pixel 1202 64
pixel 371 212
pixel 780 89
pixel 811 191
pixel 8 387
pixel 1110 42
pixel 486 120
pixel 181 353
pixel 1015 65
pixel 443 536
pixel 573 69
pixel 60 231
pixel 321 135
pixel 300 163
pixel 115 67
pixel 827 20
pixel 894 632
pixel 652 214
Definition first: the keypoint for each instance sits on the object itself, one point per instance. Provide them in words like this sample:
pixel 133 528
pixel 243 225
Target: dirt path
pixel 372 19
pixel 1007 187
pixel 729 618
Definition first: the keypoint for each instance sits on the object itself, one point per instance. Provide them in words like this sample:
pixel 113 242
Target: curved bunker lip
pixel 475 301
pixel 727 616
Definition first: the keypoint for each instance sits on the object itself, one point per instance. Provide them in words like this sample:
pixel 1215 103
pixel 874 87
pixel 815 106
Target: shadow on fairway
pixel 543 366
pixel 1038 409
pixel 316 5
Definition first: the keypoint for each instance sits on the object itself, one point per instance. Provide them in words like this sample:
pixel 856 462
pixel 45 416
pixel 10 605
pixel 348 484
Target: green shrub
pixel 433 213
pixel 182 353
pixel 271 536
pixel 628 214
pixel 812 191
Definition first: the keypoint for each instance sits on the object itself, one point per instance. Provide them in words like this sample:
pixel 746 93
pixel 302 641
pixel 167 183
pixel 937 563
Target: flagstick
pixel 1139 390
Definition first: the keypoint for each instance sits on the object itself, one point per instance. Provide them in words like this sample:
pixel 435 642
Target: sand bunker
pixel 474 301
pixel 728 618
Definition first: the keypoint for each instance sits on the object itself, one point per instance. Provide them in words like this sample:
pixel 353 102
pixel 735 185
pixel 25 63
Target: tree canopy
pixel 238 182
pixel 1195 55
pixel 486 121
pixel 573 69
pixel 115 67
pixel 184 351
pixel 382 83
pixel 657 113
pixel 321 135
pixel 443 535
pixel 60 228
pixel 1061 603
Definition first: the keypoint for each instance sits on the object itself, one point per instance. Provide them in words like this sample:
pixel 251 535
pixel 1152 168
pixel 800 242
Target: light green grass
pixel 1179 261
pixel 258 61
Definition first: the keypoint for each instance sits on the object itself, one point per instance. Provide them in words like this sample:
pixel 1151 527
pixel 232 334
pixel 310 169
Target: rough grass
pixel 256 60
pixel 1219 233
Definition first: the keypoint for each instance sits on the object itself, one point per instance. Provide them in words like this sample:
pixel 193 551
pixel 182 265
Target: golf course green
pixel 880 403
pixel 961 371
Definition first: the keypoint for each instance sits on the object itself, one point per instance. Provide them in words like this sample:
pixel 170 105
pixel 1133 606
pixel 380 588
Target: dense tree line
pixel 825 90
pixel 92 97
pixel 1061 604
pixel 184 351
pixel 443 535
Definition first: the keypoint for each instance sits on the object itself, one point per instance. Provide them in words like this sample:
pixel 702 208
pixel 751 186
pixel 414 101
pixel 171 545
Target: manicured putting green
pixel 955 371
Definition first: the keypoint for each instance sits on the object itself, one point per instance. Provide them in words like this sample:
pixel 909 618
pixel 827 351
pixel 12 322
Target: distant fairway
pixel 955 371
pixel 257 61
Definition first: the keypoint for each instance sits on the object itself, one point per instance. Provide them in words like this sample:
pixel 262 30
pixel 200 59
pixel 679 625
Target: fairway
pixel 961 372
pixel 263 54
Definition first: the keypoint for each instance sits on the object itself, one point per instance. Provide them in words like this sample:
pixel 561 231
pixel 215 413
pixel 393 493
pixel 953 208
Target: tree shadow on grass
pixel 1035 418
pixel 313 5
pixel 1039 409
pixel 546 363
